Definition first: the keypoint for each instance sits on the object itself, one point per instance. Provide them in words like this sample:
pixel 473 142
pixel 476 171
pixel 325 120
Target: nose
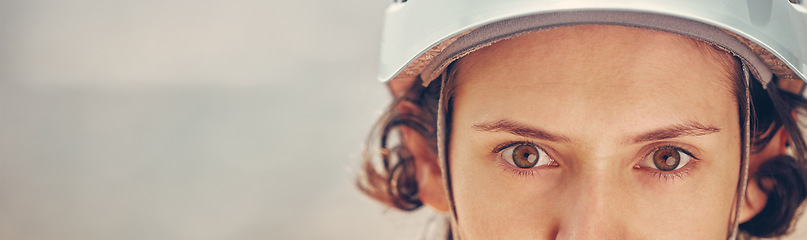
pixel 596 207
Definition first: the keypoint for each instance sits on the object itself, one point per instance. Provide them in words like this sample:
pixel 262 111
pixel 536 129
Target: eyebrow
pixel 520 130
pixel 692 129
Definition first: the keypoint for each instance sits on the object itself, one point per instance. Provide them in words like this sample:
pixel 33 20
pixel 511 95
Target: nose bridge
pixel 595 203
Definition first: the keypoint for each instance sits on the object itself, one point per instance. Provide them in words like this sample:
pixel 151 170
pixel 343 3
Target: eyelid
pixel 501 147
pixel 686 148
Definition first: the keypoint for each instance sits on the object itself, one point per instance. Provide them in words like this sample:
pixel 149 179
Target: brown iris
pixel 525 156
pixel 666 159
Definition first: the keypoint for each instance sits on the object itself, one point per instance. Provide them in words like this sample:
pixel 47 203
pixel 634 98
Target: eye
pixel 526 156
pixel 666 159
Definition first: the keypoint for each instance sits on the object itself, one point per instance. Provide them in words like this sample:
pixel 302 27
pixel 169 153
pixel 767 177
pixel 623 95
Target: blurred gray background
pixel 190 119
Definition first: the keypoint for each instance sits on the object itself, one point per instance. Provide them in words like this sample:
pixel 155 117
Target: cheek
pixel 697 207
pixel 486 199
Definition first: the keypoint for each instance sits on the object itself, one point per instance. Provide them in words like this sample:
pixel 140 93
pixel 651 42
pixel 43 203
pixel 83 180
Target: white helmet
pixel 422 37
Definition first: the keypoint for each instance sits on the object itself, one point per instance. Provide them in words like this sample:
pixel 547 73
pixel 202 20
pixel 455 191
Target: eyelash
pixel 661 175
pixel 675 174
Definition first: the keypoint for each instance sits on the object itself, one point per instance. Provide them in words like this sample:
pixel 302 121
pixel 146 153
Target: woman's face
pixel 595 132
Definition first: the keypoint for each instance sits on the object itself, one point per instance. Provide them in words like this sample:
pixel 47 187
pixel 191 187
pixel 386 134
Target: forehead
pixel 611 73
pixel 584 47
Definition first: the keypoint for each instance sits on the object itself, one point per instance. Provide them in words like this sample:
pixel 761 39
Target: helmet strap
pixel 443 129
pixel 742 185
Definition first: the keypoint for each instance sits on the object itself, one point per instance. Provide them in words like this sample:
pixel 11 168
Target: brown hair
pixel 389 174
pixel 772 109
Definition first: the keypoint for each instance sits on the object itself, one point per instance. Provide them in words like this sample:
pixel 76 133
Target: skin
pixel 597 90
